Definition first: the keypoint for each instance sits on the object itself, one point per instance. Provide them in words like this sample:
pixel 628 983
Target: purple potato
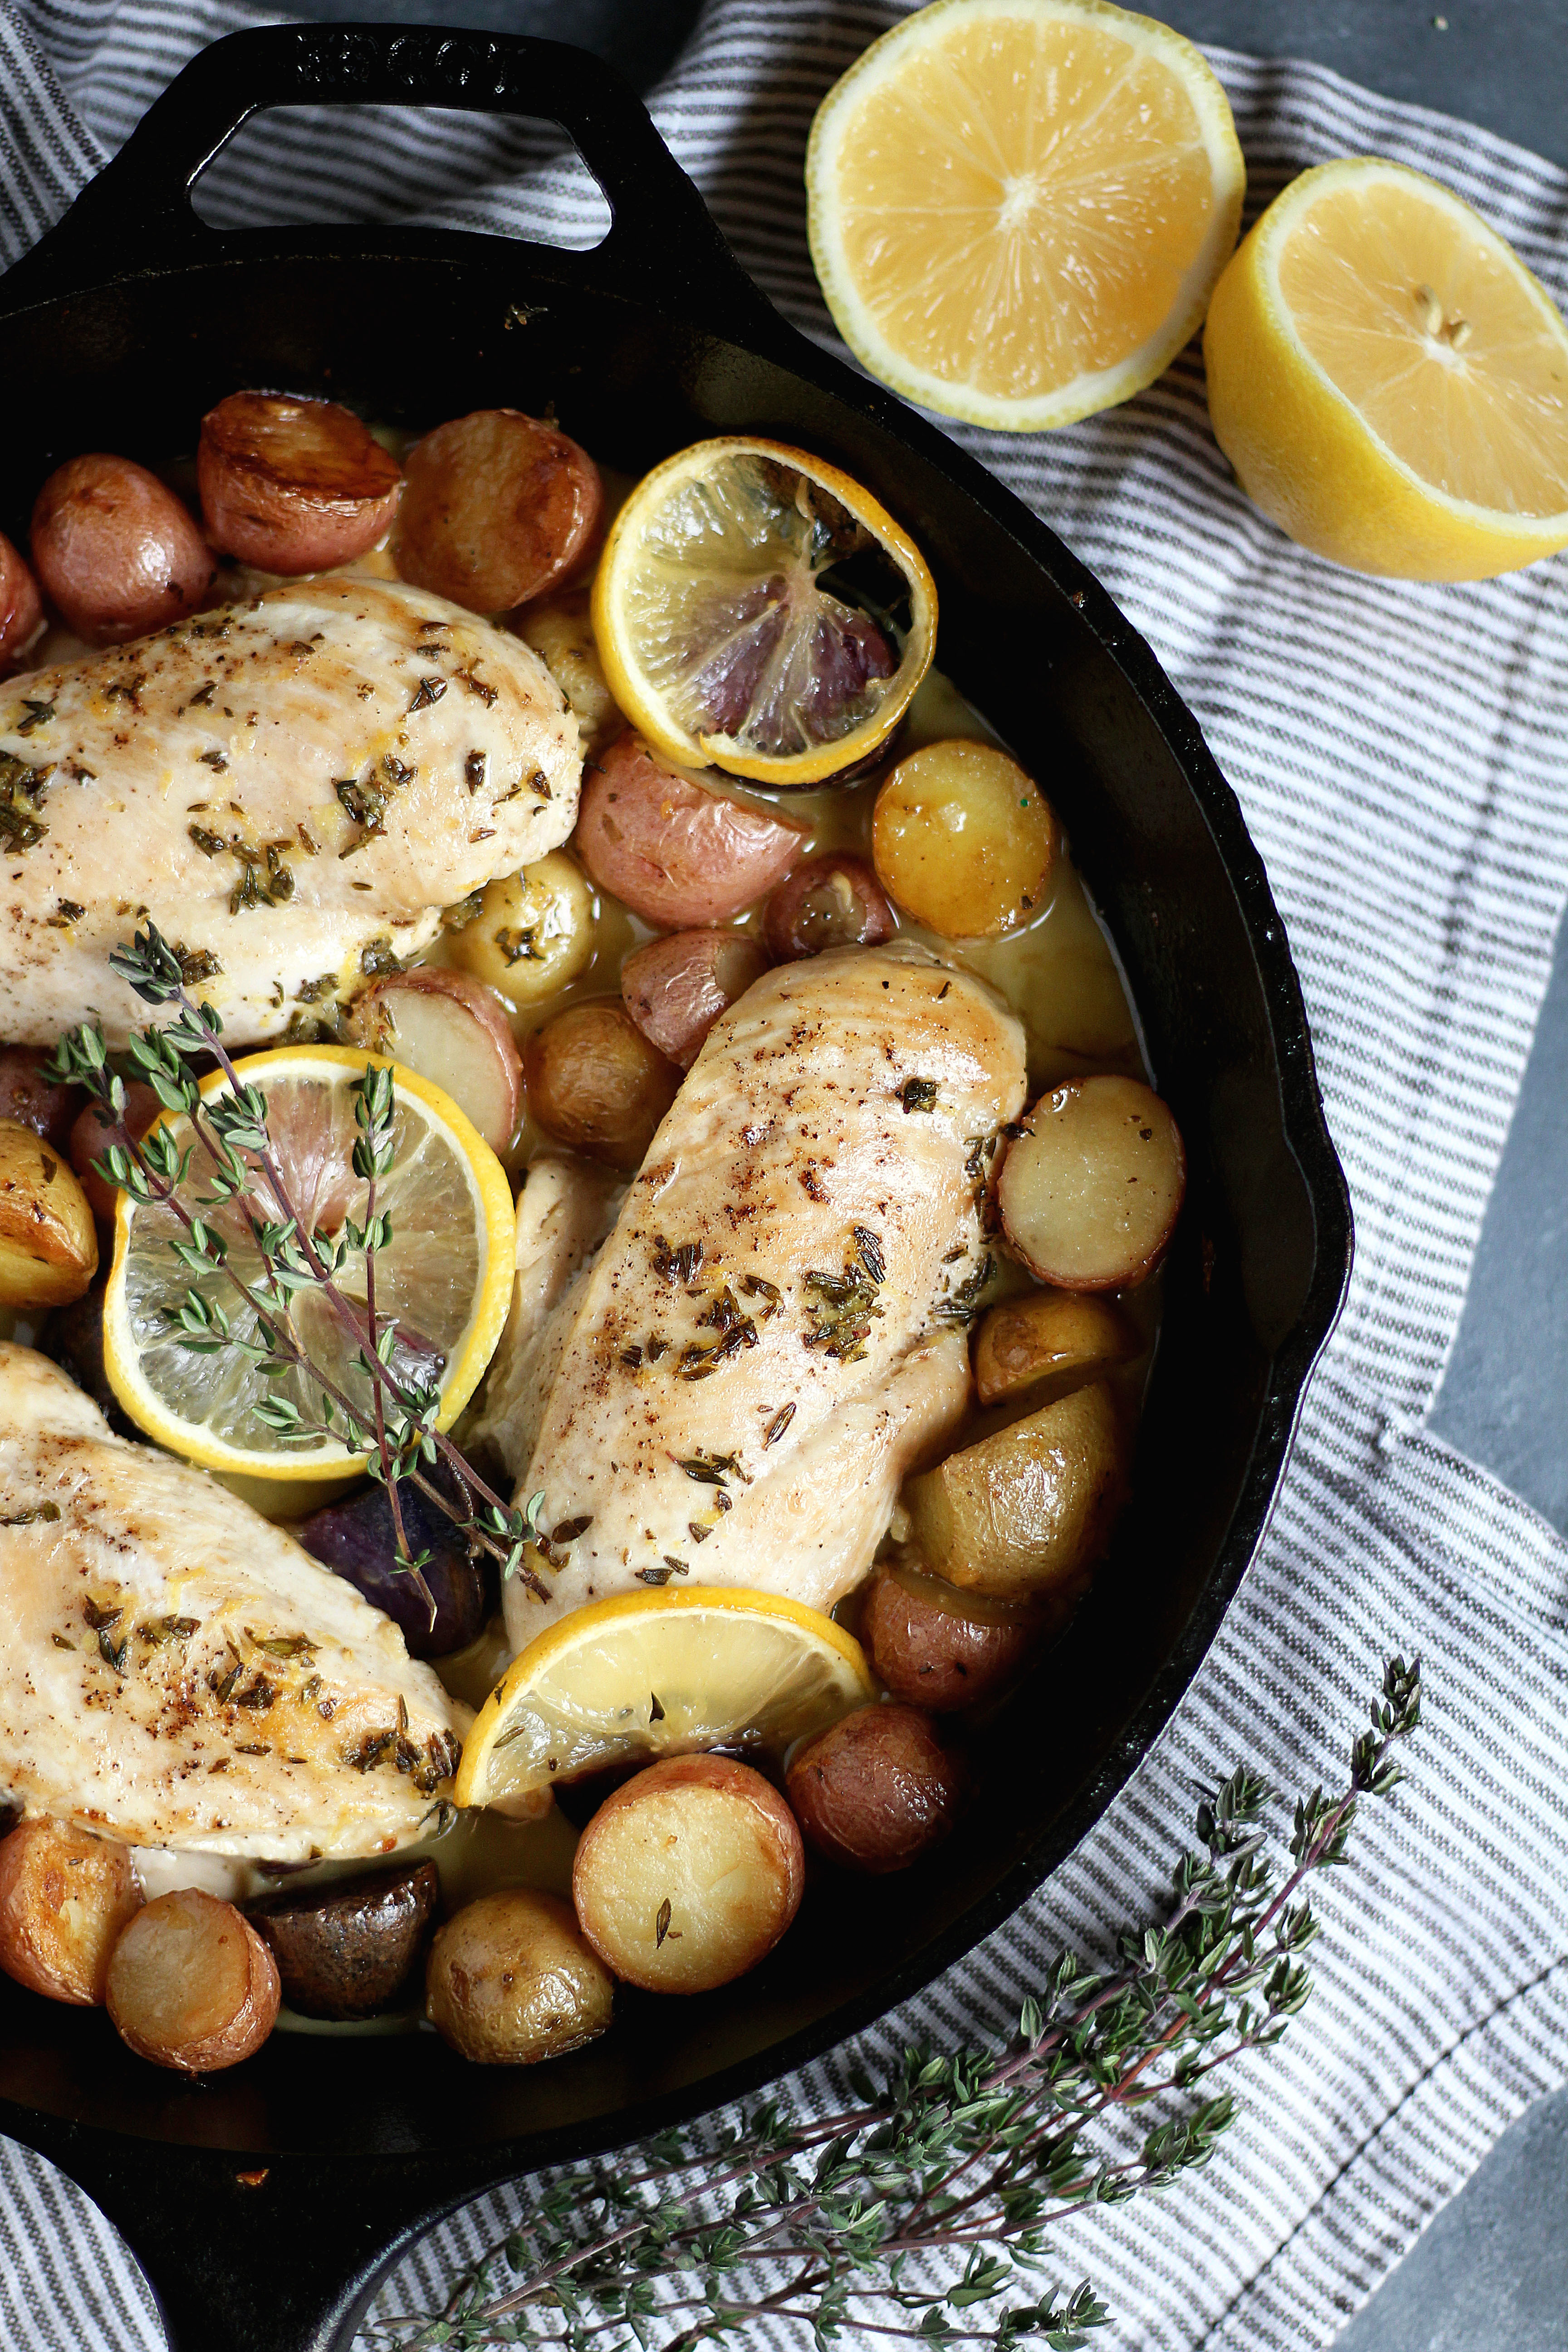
pixel 356 1539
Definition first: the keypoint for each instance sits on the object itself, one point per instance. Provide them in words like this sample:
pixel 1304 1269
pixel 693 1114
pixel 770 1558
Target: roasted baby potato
pixel 831 900
pixel 357 1540
pixel 64 1899
pixel 560 628
pixel 92 1131
pixel 674 853
pixel 293 484
pixel 454 1030
pixel 1030 1509
pixel 595 1082
pixel 1047 1340
pixel 48 1244
pixel 676 988
pixel 191 1984
pixel 932 1646
pixel 534 932
pixel 116 551
pixel 348 1951
pixel 496 508
pixel 510 1981
pixel 21 606
pixel 35 1101
pixel 1089 1193
pixel 964 841
pixel 877 1789
pixel 688 1873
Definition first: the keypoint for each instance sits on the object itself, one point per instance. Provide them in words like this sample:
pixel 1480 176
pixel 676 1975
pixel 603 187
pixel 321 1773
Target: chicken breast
pixel 292 789
pixel 176 1672
pixel 772 1335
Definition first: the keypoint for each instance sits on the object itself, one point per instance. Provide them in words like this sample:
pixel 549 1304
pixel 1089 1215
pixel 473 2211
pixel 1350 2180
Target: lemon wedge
pixel 445 1277
pixel 755 608
pixel 1018 208
pixel 1389 380
pixel 660 1673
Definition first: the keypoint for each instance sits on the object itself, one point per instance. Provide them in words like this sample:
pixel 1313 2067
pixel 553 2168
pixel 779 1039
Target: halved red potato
pixel 877 1789
pixel 932 1644
pixel 21 606
pixel 92 1133
pixel 35 1101
pixel 1090 1191
pixel 498 507
pixel 688 1873
pixel 1052 1339
pixel 674 853
pixel 676 988
pixel 831 900
pixel 453 1031
pixel 115 550
pixel 191 1984
pixel 596 1083
pixel 64 1899
pixel 293 484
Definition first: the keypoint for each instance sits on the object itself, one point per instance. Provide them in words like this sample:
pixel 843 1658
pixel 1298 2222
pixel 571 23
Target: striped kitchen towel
pixel 1400 754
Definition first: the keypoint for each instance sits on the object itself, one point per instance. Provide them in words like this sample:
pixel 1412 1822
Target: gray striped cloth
pixel 1400 754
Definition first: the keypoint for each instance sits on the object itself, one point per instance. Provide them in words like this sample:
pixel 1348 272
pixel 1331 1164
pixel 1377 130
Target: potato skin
pixel 510 1981
pixel 688 1873
pixel 676 988
pixel 191 1985
pixel 964 841
pixel 496 508
pixel 933 1656
pixel 49 1244
pixel 116 551
pixel 91 1133
pixel 348 1951
pixel 595 1082
pixel 21 606
pixel 35 1101
pixel 293 484
pixel 877 1789
pixel 64 1899
pixel 1029 1510
pixel 832 900
pixel 676 853
pixel 451 1028
pixel 1053 1339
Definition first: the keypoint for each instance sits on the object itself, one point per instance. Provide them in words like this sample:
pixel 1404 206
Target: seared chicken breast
pixel 175 1671
pixel 292 789
pixel 772 1336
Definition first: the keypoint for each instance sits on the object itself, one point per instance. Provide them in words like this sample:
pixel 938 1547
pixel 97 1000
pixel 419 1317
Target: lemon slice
pixel 1389 380
pixel 660 1673
pixel 1018 208
pixel 445 1277
pixel 755 608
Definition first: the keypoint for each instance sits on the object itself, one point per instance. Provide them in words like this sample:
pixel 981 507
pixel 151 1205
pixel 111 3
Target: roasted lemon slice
pixel 661 1673
pixel 755 608
pixel 445 1277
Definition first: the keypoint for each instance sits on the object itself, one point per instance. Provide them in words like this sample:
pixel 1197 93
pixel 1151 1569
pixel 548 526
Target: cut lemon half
pixel 444 1280
pixel 1018 208
pixel 660 1673
pixel 1389 380
pixel 757 609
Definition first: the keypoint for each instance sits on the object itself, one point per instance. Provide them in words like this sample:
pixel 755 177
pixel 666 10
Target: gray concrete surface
pixel 1491 2273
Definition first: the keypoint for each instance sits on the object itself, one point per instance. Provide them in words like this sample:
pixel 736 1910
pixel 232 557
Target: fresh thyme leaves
pixel 925 2212
pixel 392 1426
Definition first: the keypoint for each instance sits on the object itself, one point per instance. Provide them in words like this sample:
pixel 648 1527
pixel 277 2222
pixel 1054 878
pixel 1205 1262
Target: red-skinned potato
pixel 35 1101
pixel 293 484
pixel 90 1135
pixel 674 853
pixel 676 988
pixel 64 1899
pixel 115 550
pixel 929 1646
pixel 48 1247
pixel 832 900
pixel 453 1031
pixel 191 1984
pixel 688 1873
pixel 21 606
pixel 596 1083
pixel 877 1789
pixel 496 508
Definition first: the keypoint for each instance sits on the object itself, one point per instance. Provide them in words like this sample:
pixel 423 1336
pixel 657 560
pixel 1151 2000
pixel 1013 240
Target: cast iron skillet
pixel 265 2204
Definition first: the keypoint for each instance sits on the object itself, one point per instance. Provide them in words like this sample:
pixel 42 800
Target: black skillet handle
pixel 137 212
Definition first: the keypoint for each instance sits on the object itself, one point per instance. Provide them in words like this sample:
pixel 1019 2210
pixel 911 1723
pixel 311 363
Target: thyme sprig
pixel 393 1426
pixel 960 2163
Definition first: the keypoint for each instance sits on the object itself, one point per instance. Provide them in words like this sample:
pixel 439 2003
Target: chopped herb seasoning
pixel 38 715
pixel 241 1748
pixel 964 1303
pixel 708 1470
pixel 371 1748
pixel 202 695
pixel 568 1531
pixel 431 690
pixel 159 1630
pixel 917 1094
pixel 211 844
pixel 844 1306
pixel 660 1575
pixel 217 761
pixel 67 911
pixel 21 796
pixel 941 992
pixel 261 1693
pixel 378 956
pixel 457 918
pixel 697 1535
pixel 517 946
pixel 97 1618
pixel 196 964
pixel 283 1645
pixel 479 686
pixel 662 1928
pixel 538 786
pixel 474 768
pixel 779 1423
pixel 62 1642
pixel 112 1655
pixel 361 802
pixel 310 992
pixel 870 1250
pixel 678 1265
pixel 49 1512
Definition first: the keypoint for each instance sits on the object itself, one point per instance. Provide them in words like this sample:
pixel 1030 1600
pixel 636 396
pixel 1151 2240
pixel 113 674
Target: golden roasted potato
pixel 348 1951
pixel 964 841
pixel 877 1789
pixel 688 1874
pixel 1089 1193
pixel 509 1980
pixel 1030 1509
pixel 292 485
pixel 496 508
pixel 560 628
pixel 191 1984
pixel 49 1244
pixel 1047 1337
pixel 534 932
pixel 931 1647
pixel 596 1083
pixel 64 1899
